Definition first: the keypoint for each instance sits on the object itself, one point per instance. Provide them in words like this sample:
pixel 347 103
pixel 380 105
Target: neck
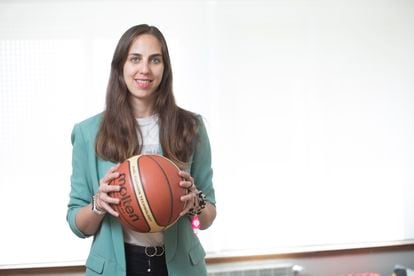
pixel 142 109
pixel 143 113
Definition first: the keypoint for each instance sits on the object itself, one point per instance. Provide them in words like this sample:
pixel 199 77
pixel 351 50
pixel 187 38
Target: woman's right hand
pixel 102 200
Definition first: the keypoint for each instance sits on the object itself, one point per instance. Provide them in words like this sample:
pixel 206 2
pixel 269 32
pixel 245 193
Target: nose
pixel 144 68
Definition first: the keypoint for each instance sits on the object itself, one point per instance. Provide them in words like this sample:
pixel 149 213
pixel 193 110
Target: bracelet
pixel 199 205
pixel 94 207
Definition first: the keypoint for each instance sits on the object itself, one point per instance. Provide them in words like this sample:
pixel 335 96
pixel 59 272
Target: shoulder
pixel 87 128
pixel 200 122
pixel 187 116
pixel 195 122
pixel 91 122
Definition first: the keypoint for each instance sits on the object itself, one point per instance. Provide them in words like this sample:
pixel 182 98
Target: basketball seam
pixel 148 216
pixel 169 189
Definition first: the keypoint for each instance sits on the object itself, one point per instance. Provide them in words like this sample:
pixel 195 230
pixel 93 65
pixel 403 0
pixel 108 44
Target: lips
pixel 143 83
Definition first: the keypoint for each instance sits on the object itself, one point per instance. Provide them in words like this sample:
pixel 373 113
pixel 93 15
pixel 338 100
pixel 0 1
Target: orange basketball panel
pixel 171 172
pixel 157 189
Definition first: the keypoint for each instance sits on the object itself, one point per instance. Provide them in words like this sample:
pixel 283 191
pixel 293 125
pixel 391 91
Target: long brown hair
pixel 117 138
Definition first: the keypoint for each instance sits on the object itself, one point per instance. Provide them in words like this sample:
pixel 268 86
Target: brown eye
pixel 134 59
pixel 156 60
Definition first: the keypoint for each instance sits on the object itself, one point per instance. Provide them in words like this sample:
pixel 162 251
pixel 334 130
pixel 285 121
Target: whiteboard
pixel 309 106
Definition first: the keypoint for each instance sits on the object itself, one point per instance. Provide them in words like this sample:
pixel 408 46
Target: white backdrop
pixel 309 106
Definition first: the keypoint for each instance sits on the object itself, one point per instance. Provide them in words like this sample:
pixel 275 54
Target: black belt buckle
pixel 152 251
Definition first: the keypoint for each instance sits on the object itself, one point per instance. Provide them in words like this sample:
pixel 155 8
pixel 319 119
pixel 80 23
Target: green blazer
pixel 183 252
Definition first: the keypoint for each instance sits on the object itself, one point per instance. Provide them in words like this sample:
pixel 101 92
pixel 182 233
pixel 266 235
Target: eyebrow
pixel 151 56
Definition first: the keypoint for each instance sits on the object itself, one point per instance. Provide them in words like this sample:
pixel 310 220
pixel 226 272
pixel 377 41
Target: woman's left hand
pixel 208 214
pixel 188 183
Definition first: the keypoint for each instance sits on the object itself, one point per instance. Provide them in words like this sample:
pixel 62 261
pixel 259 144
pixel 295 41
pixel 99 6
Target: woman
pixel 140 117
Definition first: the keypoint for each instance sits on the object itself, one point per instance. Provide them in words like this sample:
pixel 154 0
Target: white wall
pixel 309 107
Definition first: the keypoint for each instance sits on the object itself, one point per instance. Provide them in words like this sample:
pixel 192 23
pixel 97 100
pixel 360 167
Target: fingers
pixel 110 175
pixel 105 206
pixel 187 185
pixel 102 194
pixel 189 200
pixel 188 181
pixel 103 200
pixel 108 178
pixel 191 196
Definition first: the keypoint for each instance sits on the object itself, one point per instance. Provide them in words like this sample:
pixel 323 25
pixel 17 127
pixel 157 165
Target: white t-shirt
pixel 151 145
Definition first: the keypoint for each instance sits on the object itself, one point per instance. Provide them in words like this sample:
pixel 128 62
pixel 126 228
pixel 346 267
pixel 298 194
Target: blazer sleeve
pixel 81 191
pixel 201 168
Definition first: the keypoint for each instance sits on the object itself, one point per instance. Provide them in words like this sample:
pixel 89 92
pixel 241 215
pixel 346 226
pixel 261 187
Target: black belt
pixel 150 251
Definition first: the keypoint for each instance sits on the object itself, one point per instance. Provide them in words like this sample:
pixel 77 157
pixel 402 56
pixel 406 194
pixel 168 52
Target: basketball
pixel 150 193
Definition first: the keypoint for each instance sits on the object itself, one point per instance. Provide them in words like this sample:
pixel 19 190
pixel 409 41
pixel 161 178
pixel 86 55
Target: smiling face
pixel 143 71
